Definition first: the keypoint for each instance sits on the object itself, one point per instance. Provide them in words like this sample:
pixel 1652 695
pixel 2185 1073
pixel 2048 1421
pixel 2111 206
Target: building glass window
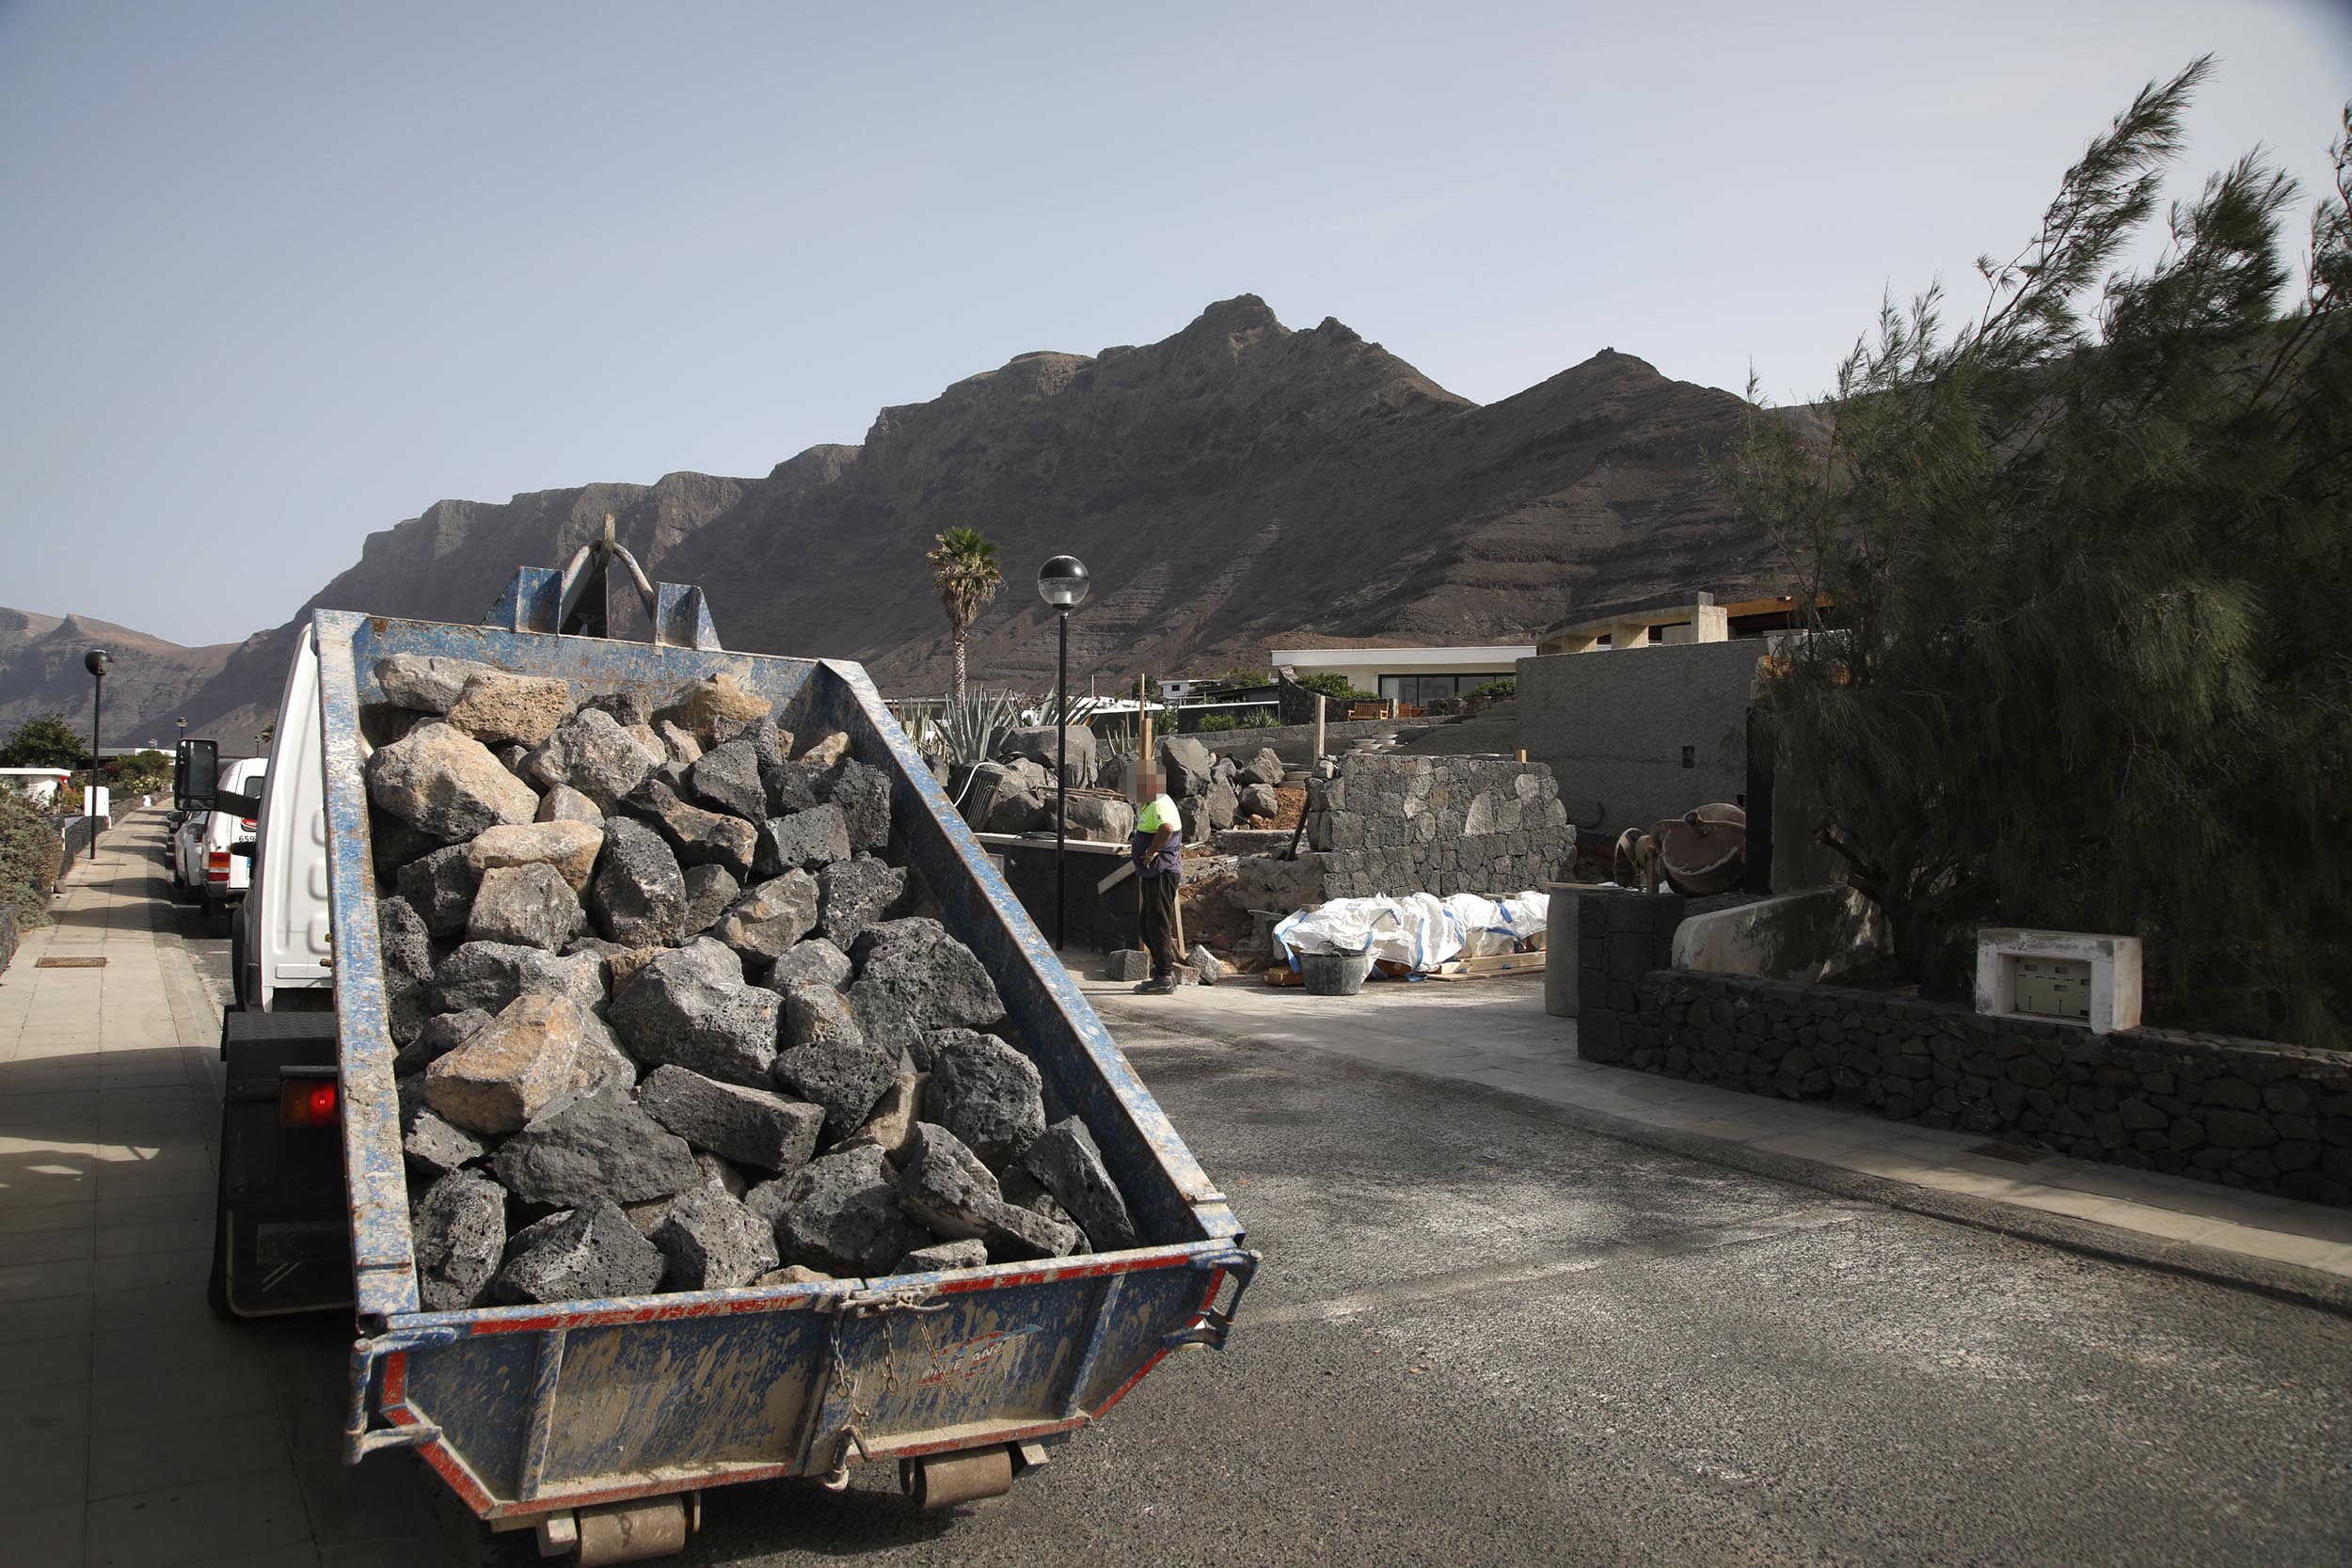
pixel 1422 690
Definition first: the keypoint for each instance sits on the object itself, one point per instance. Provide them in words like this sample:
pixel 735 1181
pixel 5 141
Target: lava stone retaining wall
pixel 1396 825
pixel 2251 1114
pixel 1621 937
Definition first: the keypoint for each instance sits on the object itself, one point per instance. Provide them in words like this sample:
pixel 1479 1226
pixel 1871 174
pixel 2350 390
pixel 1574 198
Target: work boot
pixel 1157 987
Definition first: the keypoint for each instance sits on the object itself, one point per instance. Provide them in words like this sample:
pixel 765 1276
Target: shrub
pixel 1493 691
pixel 1259 722
pixel 1217 723
pixel 47 741
pixel 1334 686
pixel 30 855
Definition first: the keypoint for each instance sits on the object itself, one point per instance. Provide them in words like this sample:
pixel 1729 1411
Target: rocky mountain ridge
pixel 1236 486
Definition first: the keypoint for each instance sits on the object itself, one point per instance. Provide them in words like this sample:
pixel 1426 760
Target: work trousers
pixel 1159 920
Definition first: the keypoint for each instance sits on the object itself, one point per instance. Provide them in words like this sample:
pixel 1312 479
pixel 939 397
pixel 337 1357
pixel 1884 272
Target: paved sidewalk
pixel 1496 1032
pixel 137 1430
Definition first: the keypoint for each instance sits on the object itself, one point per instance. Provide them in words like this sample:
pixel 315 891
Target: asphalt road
pixel 1484 1336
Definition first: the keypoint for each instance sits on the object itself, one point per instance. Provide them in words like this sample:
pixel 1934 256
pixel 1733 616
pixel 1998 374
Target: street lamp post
pixel 1062 583
pixel 95 661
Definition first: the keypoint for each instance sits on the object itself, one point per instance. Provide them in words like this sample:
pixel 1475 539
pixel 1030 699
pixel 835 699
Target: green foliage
pixel 965 572
pixel 1216 724
pixel 1334 686
pixel 147 772
pixel 30 855
pixel 969 725
pixel 47 741
pixel 2086 560
pixel 1494 690
pixel 1246 678
pixel 1258 721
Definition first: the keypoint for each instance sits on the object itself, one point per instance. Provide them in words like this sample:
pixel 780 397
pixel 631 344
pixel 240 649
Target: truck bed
pixel 529 1409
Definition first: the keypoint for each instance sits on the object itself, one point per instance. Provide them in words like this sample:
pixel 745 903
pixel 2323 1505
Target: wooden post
pixel 1318 756
pixel 1143 714
pixel 1522 753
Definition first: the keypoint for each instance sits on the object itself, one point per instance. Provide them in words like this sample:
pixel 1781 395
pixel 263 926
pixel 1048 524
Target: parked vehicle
pixel 598 1423
pixel 206 866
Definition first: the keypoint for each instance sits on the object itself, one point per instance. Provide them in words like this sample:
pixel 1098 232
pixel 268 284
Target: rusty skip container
pixel 542 1416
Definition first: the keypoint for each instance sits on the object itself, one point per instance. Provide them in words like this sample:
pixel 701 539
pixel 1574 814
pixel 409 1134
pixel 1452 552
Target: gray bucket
pixel 1333 973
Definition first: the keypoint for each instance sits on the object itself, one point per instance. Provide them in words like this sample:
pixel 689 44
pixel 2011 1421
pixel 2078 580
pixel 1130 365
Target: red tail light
pixel 217 866
pixel 247 823
pixel 308 1102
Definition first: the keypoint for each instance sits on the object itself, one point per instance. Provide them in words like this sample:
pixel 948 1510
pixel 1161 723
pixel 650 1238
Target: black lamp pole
pixel 1061 783
pixel 95 661
pixel 1062 583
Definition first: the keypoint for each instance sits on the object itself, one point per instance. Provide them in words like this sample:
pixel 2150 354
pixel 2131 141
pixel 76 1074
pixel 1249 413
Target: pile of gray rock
pixel 1214 791
pixel 669 1015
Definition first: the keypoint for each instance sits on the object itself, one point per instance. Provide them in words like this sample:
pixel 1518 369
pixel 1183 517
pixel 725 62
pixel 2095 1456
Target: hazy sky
pixel 276 276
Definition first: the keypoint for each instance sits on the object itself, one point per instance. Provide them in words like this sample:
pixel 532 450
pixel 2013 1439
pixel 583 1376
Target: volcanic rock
pixel 458 1229
pixel 496 707
pixel 752 1126
pixel 445 784
pixel 568 846
pixel 854 894
pixel 916 978
pixel 989 1095
pixel 770 917
pixel 807 839
pixel 530 906
pixel 713 1243
pixel 593 753
pixel 638 896
pixel 839 1213
pixel 440 888
pixel 589 1253
pixel 1065 1159
pixel 424 683
pixel 726 778
pixel 511 1070
pixel 711 889
pixel 690 1007
pixel 596 1145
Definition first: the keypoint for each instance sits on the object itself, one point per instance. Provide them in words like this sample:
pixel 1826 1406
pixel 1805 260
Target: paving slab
pixel 110 1083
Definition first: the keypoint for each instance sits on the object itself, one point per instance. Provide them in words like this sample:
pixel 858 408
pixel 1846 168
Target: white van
pixel 206 867
pixel 279 949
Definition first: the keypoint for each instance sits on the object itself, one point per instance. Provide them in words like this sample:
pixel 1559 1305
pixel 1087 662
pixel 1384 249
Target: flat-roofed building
pixel 1411 675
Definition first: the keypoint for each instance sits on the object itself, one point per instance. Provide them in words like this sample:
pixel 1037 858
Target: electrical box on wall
pixel 2064 977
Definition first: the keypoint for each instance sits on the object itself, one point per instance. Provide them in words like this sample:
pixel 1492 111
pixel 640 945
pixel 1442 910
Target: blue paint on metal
pixel 545 1375
pixel 527 1409
pixel 1105 1311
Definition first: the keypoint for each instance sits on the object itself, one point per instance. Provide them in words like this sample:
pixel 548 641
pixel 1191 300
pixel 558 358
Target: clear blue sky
pixel 281 276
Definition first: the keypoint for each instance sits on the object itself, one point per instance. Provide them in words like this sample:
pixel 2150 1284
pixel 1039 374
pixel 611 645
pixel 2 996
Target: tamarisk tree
pixel 2073 579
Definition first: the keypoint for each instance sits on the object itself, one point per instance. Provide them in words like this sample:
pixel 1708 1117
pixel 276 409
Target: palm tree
pixel 965 570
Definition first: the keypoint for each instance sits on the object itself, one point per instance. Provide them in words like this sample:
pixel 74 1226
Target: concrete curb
pixel 2285 1282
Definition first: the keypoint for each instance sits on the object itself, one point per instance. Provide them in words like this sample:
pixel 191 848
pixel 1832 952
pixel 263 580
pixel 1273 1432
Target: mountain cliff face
pixel 151 683
pixel 1236 486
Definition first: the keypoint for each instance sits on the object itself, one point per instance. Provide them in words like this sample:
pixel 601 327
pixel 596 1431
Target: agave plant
pixel 967 727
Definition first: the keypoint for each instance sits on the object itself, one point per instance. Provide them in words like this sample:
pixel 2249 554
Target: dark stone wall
pixel 2250 1114
pixel 1396 825
pixel 1620 938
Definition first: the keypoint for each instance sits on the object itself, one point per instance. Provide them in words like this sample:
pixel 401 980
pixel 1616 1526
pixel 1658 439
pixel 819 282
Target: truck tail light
pixel 308 1102
pixel 247 823
pixel 215 866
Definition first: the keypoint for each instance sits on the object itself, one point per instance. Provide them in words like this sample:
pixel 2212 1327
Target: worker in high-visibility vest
pixel 1157 848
